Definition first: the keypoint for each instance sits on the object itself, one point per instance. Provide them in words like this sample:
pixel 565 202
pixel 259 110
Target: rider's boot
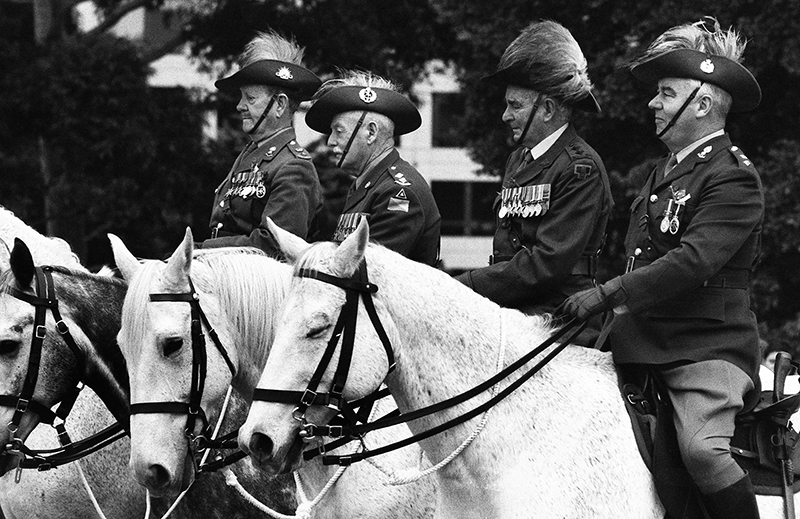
pixel 737 501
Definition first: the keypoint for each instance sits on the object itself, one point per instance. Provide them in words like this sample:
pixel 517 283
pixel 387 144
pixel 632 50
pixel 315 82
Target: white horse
pixel 91 306
pixel 240 293
pixel 560 446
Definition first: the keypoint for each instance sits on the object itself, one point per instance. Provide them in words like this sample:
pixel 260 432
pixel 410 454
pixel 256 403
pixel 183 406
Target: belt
pixel 586 265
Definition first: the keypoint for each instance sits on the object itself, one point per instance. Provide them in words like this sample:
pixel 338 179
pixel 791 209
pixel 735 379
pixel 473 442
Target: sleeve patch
pixel 583 170
pixel 398 204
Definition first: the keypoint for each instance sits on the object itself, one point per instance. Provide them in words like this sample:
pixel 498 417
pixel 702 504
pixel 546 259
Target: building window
pixel 447 120
pixel 466 207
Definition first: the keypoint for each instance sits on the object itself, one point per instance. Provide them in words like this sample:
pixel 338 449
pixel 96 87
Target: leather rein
pixel 192 409
pixel 355 426
pixel 45 299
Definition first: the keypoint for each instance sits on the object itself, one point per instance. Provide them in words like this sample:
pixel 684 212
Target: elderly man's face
pixel 342 126
pixel 672 93
pixel 519 103
pixel 252 103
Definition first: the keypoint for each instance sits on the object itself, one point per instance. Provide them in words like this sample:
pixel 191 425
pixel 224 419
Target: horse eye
pixel 172 345
pixel 317 331
pixel 8 347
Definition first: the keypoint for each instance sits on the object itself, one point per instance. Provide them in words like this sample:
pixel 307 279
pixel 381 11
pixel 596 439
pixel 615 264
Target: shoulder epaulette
pixel 398 177
pixel 298 151
pixel 741 158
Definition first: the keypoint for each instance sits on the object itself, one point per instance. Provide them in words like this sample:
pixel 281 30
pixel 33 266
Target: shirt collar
pixel 540 149
pixel 696 144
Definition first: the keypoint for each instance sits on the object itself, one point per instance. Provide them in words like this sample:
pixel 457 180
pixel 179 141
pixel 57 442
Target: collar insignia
pixel 705 152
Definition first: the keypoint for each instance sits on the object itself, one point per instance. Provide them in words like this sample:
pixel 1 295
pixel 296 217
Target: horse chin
pixel 281 464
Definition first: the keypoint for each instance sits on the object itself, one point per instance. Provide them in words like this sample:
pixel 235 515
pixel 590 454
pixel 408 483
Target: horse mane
pixel 249 285
pixel 45 250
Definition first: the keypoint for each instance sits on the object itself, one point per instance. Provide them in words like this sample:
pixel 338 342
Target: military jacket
pixel 399 206
pixel 276 179
pixel 551 220
pixel 693 238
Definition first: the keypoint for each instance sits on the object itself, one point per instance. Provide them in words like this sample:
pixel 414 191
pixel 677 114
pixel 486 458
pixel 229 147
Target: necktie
pixel 527 158
pixel 671 163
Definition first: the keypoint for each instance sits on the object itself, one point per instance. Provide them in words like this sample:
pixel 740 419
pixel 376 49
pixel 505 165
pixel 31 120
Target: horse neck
pixel 94 304
pixel 450 338
pixel 45 250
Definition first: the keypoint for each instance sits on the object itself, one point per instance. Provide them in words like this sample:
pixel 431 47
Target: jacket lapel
pixel 531 171
pixel 355 196
pixel 699 155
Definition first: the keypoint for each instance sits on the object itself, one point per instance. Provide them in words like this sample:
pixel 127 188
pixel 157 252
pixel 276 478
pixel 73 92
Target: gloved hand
pixel 587 303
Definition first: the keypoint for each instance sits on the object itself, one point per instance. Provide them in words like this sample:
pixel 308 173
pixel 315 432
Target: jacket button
pixel 637 251
pixel 653 198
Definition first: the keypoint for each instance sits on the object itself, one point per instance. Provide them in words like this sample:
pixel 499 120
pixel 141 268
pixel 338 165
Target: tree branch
pixel 115 15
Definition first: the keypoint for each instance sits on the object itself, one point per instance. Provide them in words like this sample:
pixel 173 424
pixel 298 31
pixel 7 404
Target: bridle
pixel 43 300
pixel 192 409
pixel 355 426
pixel 357 287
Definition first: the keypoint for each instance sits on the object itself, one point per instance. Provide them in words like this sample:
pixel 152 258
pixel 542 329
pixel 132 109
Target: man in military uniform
pixel 555 199
pixel 273 176
pixel 683 306
pixel 363 113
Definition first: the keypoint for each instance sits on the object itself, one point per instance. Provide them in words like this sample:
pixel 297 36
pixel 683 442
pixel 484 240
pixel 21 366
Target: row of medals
pixel 244 184
pixel 524 201
pixel 671 223
pixel 346 225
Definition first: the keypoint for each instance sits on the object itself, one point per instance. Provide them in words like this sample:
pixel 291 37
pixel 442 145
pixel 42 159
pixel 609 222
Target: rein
pixel 45 299
pixel 192 409
pixel 345 327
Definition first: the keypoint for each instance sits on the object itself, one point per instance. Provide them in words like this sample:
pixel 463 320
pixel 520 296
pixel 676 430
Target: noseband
pixel 192 408
pixel 45 299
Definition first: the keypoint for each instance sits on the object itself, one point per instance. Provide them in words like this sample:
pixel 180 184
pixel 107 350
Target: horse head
pixel 163 343
pixel 308 321
pixel 43 378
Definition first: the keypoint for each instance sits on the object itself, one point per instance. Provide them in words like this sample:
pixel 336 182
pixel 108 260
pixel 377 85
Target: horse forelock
pixel 317 256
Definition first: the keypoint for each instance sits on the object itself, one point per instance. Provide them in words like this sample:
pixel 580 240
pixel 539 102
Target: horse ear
pixel 21 263
pixel 5 256
pixel 349 254
pixel 180 263
pixel 126 262
pixel 292 246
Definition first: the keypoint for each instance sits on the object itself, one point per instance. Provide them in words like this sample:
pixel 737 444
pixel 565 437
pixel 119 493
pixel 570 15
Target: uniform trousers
pixel 706 396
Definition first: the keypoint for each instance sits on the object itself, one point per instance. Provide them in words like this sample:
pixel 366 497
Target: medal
pixel 503 212
pixel 674 225
pixel 665 224
pixel 261 191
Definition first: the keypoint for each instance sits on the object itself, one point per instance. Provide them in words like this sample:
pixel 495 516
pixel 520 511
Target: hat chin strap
pixel 263 115
pixel 683 107
pixel 530 118
pixel 350 140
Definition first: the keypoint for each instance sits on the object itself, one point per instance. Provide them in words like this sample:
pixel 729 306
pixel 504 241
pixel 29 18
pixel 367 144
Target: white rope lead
pixel 89 490
pixel 412 474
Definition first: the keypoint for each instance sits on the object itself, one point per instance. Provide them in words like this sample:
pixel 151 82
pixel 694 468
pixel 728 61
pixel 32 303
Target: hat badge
pixel 367 95
pixel 284 73
pixel 707 66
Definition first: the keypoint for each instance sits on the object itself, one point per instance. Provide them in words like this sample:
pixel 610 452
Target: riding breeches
pixel 706 396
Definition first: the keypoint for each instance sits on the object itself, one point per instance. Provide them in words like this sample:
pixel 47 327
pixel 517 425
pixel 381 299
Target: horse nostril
pixel 260 445
pixel 157 477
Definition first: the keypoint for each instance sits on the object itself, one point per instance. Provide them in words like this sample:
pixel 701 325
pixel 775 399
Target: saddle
pixel 763 444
